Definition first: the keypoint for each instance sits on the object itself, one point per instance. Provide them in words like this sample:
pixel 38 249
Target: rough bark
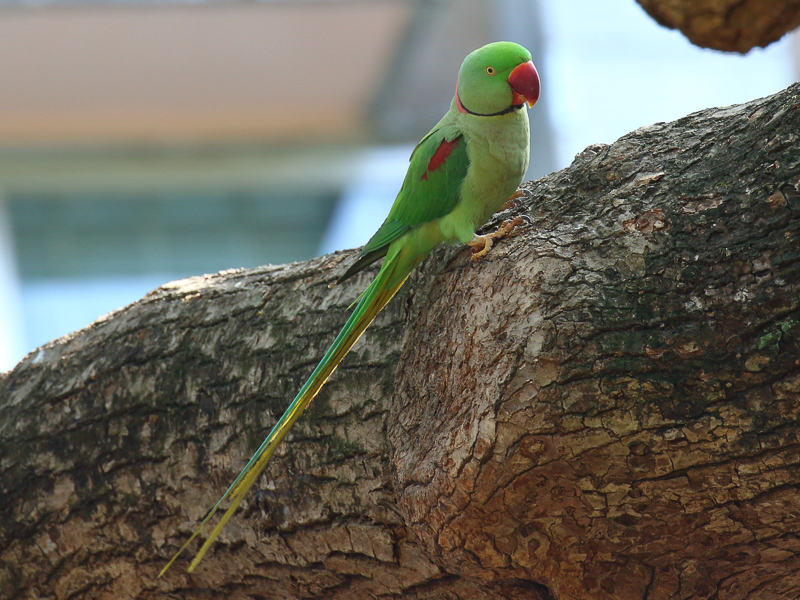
pixel 732 25
pixel 604 407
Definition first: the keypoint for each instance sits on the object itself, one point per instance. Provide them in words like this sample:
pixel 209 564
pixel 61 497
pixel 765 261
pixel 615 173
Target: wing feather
pixel 431 189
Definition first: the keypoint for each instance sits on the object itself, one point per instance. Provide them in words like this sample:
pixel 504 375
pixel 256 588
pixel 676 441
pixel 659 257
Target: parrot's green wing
pixel 431 190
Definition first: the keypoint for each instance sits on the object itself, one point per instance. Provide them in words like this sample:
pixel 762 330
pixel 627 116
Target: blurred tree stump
pixel 605 407
pixel 731 25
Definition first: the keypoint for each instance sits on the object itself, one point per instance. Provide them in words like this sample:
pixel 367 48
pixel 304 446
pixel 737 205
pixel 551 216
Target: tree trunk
pixel 604 407
pixel 732 25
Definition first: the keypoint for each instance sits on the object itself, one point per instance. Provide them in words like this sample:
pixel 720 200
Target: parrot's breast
pixel 498 149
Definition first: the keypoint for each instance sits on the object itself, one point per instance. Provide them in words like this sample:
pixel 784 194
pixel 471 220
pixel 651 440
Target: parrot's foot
pixel 510 202
pixel 481 244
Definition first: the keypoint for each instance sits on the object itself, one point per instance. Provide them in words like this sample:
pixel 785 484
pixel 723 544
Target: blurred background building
pixel 147 140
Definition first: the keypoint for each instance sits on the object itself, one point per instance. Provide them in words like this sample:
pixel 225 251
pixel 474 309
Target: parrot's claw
pixel 481 244
pixel 510 202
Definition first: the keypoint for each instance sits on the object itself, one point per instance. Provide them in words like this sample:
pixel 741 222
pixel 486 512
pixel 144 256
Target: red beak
pixel 524 82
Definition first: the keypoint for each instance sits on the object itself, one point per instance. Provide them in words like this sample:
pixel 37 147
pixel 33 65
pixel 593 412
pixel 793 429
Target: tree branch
pixel 731 25
pixel 604 407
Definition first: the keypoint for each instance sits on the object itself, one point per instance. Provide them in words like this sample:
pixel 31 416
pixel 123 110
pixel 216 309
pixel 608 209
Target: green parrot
pixel 459 174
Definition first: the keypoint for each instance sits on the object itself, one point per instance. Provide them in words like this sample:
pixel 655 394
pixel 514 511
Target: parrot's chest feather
pixel 498 150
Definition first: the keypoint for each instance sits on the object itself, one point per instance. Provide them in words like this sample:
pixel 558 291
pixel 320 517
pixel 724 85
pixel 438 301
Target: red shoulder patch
pixel 442 152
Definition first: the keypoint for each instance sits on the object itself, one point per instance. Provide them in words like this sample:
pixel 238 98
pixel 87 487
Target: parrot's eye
pixel 490 71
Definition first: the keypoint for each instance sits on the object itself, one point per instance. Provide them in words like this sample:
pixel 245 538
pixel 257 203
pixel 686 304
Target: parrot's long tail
pixel 391 277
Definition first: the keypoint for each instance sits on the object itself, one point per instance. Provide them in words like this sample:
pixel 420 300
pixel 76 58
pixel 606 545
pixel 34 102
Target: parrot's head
pixel 497 78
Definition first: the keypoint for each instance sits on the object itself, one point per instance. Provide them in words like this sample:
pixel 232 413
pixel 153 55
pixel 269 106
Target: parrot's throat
pixel 465 110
